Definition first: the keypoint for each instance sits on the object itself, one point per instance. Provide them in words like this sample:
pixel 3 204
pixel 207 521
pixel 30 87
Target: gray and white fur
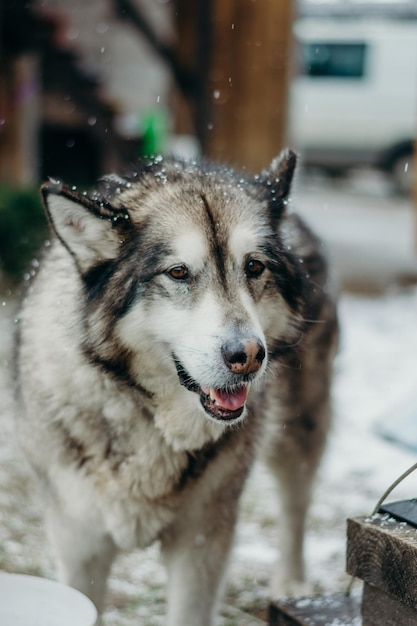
pixel 181 322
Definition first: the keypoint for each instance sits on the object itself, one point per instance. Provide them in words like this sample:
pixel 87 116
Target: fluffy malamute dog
pixel 181 319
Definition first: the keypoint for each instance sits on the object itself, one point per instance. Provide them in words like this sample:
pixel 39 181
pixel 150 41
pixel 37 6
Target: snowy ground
pixel 376 379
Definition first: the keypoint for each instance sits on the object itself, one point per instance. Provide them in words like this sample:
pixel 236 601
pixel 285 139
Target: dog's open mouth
pixel 221 404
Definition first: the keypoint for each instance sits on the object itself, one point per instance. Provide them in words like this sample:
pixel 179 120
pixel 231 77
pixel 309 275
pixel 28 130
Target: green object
pixel 23 229
pixel 153 125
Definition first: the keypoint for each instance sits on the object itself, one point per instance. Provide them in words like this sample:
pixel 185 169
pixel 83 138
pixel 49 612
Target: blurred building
pixel 79 88
pixel 86 87
pixel 110 77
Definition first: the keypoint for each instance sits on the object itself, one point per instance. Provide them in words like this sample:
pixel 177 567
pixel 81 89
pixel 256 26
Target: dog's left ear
pixel 280 174
pixel 91 229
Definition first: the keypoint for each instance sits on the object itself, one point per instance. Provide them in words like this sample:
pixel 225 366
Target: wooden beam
pixel 19 119
pixel 316 610
pixel 240 52
pixel 248 81
pixel 383 552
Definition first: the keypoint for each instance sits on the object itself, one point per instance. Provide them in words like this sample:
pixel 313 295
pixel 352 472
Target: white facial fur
pixel 190 248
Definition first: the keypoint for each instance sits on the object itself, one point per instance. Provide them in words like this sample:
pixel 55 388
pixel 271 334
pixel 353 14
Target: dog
pixel 181 322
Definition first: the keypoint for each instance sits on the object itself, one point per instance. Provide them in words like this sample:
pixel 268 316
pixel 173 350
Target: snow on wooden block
pixel 383 552
pixel 318 610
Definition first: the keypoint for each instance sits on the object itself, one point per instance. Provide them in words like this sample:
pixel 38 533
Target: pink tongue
pixel 230 401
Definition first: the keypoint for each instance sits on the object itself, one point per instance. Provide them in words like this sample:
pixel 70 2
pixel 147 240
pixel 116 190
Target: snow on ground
pixel 375 378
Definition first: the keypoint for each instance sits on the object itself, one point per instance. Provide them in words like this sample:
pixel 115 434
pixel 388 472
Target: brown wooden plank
pixel 382 609
pixel 318 610
pixel 383 552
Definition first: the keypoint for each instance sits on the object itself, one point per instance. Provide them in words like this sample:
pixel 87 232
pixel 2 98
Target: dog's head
pixel 187 276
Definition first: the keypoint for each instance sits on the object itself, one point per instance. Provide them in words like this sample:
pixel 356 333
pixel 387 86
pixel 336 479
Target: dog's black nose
pixel 243 356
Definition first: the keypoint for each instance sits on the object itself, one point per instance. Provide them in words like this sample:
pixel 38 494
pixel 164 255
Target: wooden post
pixel 250 68
pixel 242 70
pixel 383 553
pixel 9 143
pixel 317 610
pixel 19 120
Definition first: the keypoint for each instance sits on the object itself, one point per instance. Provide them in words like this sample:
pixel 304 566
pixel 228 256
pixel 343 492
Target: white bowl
pixel 34 601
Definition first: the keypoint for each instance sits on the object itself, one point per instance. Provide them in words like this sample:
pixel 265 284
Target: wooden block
pixel 380 608
pixel 319 610
pixel 383 552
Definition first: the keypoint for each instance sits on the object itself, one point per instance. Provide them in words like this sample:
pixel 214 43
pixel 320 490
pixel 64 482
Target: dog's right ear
pixel 280 173
pixel 91 230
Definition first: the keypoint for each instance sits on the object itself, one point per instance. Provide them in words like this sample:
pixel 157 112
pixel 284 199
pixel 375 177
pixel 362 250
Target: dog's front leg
pixel 83 552
pixel 295 474
pixel 196 556
pixel 294 454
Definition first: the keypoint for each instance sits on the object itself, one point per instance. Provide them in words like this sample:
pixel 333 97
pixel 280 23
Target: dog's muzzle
pixel 243 358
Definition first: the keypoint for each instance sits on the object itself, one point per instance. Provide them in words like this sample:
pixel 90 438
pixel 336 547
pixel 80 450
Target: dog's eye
pixel 179 272
pixel 254 268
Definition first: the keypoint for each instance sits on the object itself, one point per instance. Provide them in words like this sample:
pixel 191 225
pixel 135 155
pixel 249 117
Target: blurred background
pixel 89 86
